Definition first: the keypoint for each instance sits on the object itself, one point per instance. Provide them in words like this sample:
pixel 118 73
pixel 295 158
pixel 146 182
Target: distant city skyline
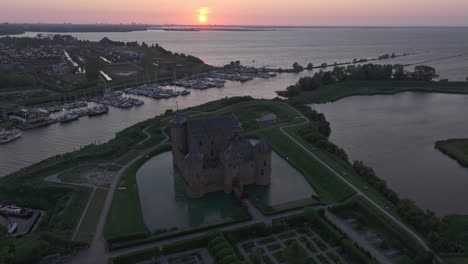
pixel 241 12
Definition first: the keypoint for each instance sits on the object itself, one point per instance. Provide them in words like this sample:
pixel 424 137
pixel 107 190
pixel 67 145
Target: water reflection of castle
pixel 212 156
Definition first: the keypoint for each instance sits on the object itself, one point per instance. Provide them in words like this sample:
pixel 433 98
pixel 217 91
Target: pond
pixel 396 134
pixel 165 205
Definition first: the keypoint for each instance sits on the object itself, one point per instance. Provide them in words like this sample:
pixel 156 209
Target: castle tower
pixel 179 138
pixel 193 172
pixel 232 160
pixel 263 163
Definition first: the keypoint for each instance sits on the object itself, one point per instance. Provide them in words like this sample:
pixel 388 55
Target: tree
pixel 328 78
pixel 297 67
pixel 310 66
pixel 424 73
pixel 399 73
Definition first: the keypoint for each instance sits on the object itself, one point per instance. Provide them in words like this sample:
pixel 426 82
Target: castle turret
pixel 263 162
pixel 193 166
pixel 179 138
pixel 233 160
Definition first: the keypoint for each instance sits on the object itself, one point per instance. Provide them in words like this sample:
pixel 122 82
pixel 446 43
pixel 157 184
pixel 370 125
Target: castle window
pixel 263 172
pixel 212 153
pixel 201 143
pixel 264 163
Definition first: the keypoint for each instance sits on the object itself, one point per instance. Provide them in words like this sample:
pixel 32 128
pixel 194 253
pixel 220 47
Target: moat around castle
pixel 162 190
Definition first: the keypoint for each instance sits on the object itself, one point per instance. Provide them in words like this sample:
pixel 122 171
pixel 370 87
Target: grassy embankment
pixel 334 92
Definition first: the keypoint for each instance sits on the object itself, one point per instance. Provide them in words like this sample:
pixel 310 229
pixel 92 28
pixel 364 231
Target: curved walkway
pixel 97 252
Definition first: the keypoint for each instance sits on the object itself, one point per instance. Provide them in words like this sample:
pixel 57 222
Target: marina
pixel 154 91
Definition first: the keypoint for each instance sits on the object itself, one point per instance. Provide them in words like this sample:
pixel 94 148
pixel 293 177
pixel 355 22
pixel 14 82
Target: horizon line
pixel 234 25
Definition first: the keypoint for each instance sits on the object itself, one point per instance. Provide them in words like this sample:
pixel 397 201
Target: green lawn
pixel 337 91
pixel 125 218
pixel 329 188
pixel 88 225
pixel 457 149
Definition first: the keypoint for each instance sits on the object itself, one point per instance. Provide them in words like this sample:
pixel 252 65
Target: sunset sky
pixel 241 12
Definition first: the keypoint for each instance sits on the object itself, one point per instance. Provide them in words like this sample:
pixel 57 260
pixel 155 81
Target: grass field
pixel 337 91
pixel 457 149
pixel 88 225
pixel 329 187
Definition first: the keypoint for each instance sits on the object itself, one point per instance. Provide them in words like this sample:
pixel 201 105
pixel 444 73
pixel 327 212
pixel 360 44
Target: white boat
pixel 68 117
pixel 8 136
pixel 12 228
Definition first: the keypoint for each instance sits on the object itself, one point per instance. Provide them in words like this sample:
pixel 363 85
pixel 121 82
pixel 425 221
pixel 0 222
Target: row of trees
pixel 318 131
pixel 367 72
pixel 425 222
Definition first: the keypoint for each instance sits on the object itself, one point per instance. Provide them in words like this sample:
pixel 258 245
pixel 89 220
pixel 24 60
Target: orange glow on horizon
pixel 240 12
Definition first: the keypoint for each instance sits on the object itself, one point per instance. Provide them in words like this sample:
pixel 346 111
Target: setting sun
pixel 203 14
pixel 202 19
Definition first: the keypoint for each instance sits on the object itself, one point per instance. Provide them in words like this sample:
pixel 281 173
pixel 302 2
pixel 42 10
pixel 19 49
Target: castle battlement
pixel 212 155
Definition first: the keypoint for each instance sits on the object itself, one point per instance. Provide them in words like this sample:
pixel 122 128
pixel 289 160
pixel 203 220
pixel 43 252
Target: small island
pixel 457 149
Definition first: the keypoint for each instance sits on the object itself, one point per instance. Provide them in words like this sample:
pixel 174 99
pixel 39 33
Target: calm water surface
pixel 396 134
pixel 161 188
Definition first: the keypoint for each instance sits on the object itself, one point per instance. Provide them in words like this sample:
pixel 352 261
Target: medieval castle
pixel 212 156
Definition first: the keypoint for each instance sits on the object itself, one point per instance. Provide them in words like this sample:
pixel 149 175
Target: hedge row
pixel 171 235
pixel 136 256
pixel 185 245
pixel 221 249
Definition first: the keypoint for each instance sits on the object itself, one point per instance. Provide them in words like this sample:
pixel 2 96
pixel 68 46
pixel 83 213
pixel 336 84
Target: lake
pixel 396 134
